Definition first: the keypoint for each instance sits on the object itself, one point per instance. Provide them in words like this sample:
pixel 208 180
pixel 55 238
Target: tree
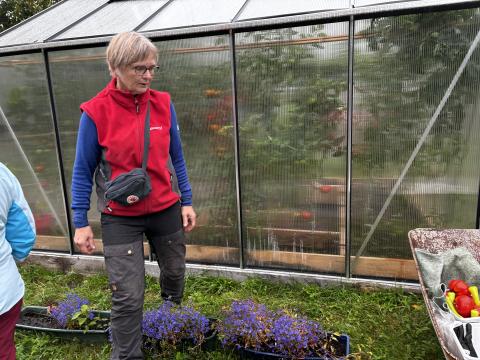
pixel 14 11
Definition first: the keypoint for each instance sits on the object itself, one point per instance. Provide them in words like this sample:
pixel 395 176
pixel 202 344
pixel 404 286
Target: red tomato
pixel 461 288
pixel 306 215
pixel 326 188
pixel 451 283
pixel 464 304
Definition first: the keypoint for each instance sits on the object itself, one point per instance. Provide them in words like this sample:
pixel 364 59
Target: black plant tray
pixel 211 341
pixel 89 336
pixel 344 342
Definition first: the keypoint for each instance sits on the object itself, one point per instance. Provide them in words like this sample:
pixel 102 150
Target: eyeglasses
pixel 142 69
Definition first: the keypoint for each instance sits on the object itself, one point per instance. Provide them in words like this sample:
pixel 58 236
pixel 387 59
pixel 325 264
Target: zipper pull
pixel 137 105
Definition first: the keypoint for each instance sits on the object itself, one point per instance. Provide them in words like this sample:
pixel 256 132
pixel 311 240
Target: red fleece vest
pixel 120 120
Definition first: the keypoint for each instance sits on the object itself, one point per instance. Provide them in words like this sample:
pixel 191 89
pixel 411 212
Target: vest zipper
pixel 137 108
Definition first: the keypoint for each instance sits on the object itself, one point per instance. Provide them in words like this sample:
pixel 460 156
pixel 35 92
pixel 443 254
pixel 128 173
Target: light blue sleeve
pixel 19 231
pixel 19 221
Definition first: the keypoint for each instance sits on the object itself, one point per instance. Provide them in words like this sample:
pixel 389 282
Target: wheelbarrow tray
pixel 437 241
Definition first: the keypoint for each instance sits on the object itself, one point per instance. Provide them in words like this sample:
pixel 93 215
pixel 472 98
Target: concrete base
pixel 84 264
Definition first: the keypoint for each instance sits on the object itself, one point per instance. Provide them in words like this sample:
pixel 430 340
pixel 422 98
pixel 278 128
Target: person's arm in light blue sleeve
pixel 19 225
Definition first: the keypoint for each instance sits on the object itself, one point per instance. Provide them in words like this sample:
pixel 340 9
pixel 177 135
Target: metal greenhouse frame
pixel 24 38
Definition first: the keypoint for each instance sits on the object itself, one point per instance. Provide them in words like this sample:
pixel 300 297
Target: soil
pixel 39 320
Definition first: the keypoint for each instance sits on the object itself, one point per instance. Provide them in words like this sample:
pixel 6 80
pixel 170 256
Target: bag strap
pixel 146 141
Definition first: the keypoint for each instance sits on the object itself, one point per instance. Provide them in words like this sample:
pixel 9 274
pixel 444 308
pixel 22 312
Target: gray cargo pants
pixel 124 263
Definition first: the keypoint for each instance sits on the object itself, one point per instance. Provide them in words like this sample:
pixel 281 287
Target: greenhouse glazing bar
pixel 348 190
pixel 236 147
pixel 477 222
pixel 139 26
pixel 76 22
pixel 63 182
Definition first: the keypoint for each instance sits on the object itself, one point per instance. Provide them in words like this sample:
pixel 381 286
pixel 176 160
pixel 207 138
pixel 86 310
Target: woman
pixel 111 138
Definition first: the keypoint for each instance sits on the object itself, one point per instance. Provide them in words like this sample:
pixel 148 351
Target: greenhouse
pixel 316 133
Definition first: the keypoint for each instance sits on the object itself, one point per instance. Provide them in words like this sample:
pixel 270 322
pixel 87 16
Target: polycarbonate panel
pixel 27 145
pixel 77 76
pixel 50 22
pixel 269 8
pixel 121 15
pixel 403 68
pixel 292 87
pixel 196 72
pixel 193 12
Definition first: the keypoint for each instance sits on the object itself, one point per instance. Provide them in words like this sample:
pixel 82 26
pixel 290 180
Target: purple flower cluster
pixel 172 324
pixel 65 309
pixel 247 325
pixel 296 336
pixel 251 325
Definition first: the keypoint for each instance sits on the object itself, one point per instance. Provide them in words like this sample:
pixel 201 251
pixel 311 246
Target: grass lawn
pixel 382 324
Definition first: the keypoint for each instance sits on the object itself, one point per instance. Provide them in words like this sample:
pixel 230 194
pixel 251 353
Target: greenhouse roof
pixel 79 22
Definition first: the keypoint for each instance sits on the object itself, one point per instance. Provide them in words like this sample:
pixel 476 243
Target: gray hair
pixel 126 48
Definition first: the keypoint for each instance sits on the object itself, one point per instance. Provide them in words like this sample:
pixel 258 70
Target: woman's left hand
pixel 189 218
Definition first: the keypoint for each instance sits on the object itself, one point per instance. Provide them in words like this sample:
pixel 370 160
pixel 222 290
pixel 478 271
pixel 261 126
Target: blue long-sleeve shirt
pixel 88 153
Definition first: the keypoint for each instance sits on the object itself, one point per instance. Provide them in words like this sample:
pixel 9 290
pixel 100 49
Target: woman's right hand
pixel 84 240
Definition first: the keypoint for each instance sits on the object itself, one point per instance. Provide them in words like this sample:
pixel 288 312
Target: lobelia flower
pixel 296 336
pixel 170 324
pixel 252 326
pixel 65 309
pixel 247 324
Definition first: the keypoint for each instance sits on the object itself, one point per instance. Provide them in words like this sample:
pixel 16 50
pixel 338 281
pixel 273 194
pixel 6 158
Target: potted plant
pixel 259 333
pixel 70 318
pixel 172 327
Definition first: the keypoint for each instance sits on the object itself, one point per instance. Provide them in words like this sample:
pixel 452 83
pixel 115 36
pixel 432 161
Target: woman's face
pixel 136 78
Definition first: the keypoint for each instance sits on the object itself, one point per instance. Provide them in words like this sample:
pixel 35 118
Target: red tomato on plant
pixel 326 188
pixel 306 215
